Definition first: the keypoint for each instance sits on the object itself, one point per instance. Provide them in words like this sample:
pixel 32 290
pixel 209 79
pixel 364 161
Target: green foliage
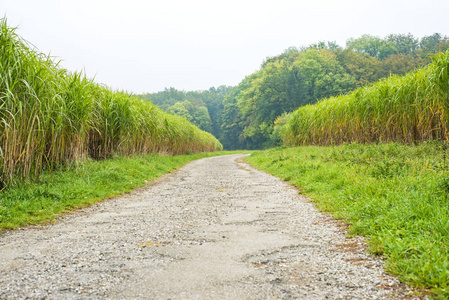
pixel 202 118
pixel 281 86
pixel 180 109
pixel 324 74
pixel 362 67
pixel 395 195
pixel 166 98
pixel 202 108
pixel 198 115
pixel 372 45
pixel 50 117
pixel 232 119
pixel 279 129
pixel 434 43
pixel 322 45
pixel 245 116
pixel 399 44
pixel 411 108
pixel 400 64
pixel 404 44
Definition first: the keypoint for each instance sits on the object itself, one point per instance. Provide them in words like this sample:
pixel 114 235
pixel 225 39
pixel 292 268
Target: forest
pixel 245 116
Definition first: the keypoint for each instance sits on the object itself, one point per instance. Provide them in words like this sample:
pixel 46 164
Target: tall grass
pixel 409 108
pixel 50 116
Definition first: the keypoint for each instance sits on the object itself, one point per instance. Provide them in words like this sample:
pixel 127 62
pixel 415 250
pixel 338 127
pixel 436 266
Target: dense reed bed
pixel 410 108
pixel 50 116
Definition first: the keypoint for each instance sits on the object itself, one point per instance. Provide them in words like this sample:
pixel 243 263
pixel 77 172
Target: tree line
pixel 202 108
pixel 244 116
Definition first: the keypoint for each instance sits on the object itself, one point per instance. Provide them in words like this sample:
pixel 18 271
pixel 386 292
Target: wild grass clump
pixel 50 116
pixel 411 108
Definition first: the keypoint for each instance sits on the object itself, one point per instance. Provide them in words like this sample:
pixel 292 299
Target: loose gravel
pixel 215 229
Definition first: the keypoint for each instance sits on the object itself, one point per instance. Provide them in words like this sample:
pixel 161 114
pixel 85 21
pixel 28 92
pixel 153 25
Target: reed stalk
pixel 50 117
pixel 410 109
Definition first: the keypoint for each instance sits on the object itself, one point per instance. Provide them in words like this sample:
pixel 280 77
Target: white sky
pixel 146 45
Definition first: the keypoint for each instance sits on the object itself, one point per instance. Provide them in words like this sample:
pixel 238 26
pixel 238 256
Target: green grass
pixel 82 184
pixel 394 194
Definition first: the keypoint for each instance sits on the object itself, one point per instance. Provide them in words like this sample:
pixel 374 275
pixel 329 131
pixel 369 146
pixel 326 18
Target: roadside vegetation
pixel 202 108
pixel 384 168
pixel 245 116
pixel 394 194
pixel 410 108
pixel 50 117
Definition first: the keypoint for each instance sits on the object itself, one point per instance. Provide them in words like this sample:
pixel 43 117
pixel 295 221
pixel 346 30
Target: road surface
pixel 215 229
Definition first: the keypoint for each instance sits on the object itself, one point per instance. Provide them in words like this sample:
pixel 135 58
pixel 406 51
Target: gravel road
pixel 215 229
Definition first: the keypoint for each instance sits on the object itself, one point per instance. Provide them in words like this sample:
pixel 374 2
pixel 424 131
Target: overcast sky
pixel 145 45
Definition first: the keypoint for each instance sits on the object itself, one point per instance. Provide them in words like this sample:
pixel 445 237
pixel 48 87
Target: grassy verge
pixel 81 185
pixel 396 195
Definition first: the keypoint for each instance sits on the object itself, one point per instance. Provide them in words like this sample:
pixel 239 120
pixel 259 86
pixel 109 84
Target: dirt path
pixel 216 229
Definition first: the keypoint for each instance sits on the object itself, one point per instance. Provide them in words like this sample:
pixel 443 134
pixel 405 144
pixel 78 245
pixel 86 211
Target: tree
pixel 404 44
pixel 198 115
pixel 201 118
pixel 166 98
pixel 266 94
pixel 324 75
pixel 231 126
pixel 203 108
pixel 214 102
pixel 400 64
pixel 432 44
pixel 322 45
pixel 282 85
pixel 289 55
pixel 362 67
pixel 372 45
pixel 179 109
